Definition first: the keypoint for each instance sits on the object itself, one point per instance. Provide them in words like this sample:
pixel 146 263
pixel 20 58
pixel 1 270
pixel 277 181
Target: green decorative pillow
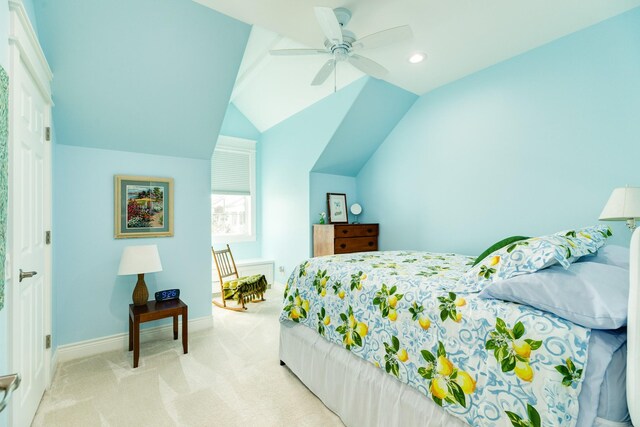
pixel 498 245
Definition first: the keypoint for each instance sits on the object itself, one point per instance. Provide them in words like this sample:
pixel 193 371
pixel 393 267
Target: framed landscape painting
pixel 143 206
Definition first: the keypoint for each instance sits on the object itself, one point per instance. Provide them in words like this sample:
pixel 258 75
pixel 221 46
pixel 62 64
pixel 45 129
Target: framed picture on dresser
pixel 337 206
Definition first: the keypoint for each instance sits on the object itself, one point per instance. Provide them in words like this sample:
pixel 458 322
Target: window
pixel 233 195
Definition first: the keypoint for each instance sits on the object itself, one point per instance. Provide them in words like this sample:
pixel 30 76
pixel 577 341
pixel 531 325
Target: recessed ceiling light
pixel 417 57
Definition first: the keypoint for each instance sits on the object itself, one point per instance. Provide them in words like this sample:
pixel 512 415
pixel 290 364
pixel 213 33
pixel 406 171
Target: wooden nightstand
pixel 329 239
pixel 154 310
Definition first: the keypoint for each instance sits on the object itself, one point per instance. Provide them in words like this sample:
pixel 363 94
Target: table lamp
pixel 139 260
pixel 623 205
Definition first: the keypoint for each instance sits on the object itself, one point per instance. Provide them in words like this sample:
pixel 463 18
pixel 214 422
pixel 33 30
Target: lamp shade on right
pixel 623 204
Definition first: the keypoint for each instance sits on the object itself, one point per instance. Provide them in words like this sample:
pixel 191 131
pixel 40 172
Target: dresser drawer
pixel 355 230
pixel 329 239
pixel 356 244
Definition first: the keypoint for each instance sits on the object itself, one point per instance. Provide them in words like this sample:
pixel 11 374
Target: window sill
pixel 233 239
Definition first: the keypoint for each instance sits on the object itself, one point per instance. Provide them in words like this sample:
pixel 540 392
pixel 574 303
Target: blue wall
pixel 316 151
pixel 151 76
pixel 236 124
pixel 322 183
pixel 529 146
pixel 319 185
pixel 87 255
pixel 148 76
pixel 288 152
pixel 372 116
pixel 29 6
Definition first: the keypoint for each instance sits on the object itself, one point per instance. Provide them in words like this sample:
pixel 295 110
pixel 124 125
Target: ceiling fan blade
pixel 384 37
pixel 291 52
pixel 368 66
pixel 324 72
pixel 329 24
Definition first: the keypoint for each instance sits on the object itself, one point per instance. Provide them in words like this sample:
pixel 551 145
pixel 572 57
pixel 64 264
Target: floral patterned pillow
pixel 531 255
pixel 584 241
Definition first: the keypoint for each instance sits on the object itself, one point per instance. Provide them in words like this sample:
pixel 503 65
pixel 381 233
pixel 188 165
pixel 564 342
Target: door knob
pixel 8 384
pixel 26 274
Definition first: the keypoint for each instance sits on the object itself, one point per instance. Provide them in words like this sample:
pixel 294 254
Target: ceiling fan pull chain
pixel 335 76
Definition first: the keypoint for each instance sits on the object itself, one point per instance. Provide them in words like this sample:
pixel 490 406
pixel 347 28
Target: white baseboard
pixel 95 346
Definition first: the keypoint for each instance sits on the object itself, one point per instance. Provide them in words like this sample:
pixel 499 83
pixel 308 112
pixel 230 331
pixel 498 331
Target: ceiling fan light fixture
pixel 417 57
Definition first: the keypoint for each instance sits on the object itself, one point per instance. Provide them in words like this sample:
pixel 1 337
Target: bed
pixel 399 338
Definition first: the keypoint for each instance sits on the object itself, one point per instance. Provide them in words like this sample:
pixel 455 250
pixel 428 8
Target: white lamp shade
pixel 623 204
pixel 139 260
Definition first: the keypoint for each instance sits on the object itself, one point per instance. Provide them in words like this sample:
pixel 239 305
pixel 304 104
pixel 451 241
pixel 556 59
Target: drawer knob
pixel 342 245
pixel 345 231
pixel 370 243
pixel 369 230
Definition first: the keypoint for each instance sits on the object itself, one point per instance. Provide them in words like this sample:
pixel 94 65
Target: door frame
pixel 24 46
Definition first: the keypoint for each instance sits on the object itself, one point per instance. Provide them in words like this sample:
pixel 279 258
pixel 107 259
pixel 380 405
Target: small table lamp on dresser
pixel 140 260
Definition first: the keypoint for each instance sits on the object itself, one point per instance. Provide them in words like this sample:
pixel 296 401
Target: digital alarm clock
pixel 167 295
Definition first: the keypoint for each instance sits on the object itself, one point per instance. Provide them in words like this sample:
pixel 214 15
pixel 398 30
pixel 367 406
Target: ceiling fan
pixel 342 45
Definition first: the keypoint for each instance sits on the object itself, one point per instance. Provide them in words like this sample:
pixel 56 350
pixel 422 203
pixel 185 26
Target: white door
pixel 29 212
pixel 28 301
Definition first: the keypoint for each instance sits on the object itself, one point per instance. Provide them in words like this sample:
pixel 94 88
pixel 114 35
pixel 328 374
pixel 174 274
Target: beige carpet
pixel 231 377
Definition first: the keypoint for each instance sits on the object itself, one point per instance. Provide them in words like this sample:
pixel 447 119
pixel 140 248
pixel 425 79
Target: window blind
pixel 231 172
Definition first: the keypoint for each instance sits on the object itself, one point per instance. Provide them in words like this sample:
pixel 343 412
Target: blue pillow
pixel 590 294
pixel 610 254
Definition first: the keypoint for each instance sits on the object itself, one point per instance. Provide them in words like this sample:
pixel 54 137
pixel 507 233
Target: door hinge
pixel 47 237
pixel 47 133
pixel 47 342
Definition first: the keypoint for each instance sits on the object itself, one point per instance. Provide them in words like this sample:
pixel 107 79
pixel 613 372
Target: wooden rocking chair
pixel 242 289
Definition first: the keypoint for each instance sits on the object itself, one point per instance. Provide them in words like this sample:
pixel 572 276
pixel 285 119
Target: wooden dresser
pixel 329 239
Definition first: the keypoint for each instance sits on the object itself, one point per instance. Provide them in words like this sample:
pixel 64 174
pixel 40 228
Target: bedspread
pixel 488 362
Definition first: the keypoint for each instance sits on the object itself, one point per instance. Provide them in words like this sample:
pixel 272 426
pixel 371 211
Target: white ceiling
pixel 271 89
pixel 459 36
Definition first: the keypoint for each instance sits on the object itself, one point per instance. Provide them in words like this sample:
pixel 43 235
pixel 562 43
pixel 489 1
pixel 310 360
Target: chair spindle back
pixel 225 264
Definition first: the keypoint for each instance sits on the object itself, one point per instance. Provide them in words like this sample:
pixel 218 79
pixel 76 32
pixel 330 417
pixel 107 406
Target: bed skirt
pixel 361 394
pixel 358 392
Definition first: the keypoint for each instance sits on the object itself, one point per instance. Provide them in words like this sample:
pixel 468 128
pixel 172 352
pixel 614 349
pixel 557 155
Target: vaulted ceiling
pixel 459 37
pixel 148 76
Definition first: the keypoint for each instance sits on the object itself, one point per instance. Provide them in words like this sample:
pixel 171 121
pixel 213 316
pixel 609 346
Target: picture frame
pixel 337 207
pixel 143 206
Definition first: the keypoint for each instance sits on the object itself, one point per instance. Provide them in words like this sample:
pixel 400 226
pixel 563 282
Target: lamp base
pixel 140 292
pixel 631 223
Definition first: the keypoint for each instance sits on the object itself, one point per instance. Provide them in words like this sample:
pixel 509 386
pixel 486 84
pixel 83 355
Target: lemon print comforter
pixel 488 362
